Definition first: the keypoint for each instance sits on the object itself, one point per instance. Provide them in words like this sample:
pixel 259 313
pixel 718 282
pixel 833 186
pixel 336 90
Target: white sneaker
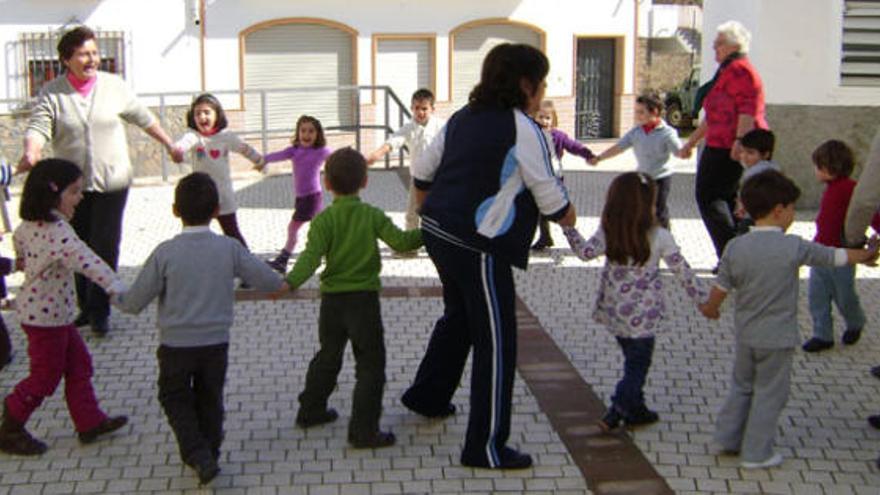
pixel 774 460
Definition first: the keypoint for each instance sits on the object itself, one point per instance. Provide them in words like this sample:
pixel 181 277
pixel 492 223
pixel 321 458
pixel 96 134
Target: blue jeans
pixel 834 284
pixel 628 396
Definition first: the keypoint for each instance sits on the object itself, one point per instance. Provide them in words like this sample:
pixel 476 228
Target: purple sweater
pixel 306 167
pixel 563 143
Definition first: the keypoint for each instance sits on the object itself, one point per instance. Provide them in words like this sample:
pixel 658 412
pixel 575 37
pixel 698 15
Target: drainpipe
pixel 201 21
pixel 636 47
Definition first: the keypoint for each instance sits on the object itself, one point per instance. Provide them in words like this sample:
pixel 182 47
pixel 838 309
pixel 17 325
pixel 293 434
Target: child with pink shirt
pixel 46 306
pixel 307 153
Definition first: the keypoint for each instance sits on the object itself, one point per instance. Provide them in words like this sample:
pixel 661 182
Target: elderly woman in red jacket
pixel 734 104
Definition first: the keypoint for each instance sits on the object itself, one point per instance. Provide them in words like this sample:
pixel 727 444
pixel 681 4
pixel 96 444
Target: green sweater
pixel 345 233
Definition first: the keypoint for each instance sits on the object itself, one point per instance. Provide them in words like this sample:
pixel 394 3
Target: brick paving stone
pixel 823 434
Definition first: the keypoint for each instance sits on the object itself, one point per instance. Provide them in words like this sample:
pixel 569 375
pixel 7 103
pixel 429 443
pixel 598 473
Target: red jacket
pixel 737 91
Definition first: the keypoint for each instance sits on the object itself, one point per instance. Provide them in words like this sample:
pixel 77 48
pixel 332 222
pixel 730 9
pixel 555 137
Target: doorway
pixel 595 83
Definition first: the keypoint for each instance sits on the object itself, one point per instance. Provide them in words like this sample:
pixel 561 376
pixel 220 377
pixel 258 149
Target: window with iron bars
pixel 41 63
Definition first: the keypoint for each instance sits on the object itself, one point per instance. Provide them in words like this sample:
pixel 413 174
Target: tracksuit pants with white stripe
pixel 479 311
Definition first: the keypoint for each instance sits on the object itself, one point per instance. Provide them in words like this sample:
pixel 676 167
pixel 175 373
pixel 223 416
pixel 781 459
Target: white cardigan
pixel 89 131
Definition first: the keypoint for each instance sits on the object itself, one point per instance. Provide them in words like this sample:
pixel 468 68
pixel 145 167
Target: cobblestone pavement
pixel 829 448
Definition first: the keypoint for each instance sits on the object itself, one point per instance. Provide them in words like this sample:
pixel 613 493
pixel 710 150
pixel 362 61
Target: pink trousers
pixel 56 353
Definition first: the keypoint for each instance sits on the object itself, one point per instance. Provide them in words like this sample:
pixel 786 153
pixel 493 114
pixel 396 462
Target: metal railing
pixel 393 109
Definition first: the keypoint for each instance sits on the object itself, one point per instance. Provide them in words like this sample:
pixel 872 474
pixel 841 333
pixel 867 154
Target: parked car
pixel 680 101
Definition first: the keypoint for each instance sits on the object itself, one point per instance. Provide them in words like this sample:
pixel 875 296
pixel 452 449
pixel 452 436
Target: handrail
pixel 391 103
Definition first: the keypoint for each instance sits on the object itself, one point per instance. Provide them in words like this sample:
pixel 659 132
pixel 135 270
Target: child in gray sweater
pixel 193 275
pixel 761 268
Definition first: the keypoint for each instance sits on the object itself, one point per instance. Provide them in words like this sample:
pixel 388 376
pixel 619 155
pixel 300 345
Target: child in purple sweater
pixel 307 153
pixel 548 119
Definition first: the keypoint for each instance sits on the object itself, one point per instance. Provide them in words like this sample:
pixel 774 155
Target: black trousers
pixel 716 186
pixel 662 206
pixel 355 316
pixel 98 222
pixel 479 312
pixel 191 381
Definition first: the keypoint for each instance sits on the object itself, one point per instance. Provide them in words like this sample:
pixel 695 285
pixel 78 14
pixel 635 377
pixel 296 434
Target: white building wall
pixel 163 43
pixel 795 47
pixel 161 47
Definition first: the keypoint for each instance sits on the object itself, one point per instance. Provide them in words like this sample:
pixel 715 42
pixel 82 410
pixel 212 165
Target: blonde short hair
pixel 736 34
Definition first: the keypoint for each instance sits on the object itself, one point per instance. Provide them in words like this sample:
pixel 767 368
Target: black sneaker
pixel 82 320
pixel 310 420
pixel 445 412
pixel 874 421
pixel 375 440
pixel 542 244
pixel 817 345
pixel 850 337
pixel 508 458
pixel 875 371
pixel 205 466
pixel 109 425
pixel 610 421
pixel 642 416
pixel 100 326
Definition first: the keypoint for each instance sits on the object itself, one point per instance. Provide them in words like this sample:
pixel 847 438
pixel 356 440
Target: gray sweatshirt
pixel 193 275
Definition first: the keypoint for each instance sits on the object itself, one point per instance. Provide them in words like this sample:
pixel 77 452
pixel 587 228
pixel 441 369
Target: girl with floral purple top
pixel 631 302
pixel 548 120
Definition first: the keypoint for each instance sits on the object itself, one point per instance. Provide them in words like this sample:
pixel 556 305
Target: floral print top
pixel 52 253
pixel 631 302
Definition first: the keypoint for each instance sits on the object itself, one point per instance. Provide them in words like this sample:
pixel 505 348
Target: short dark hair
pixel 196 198
pixel 72 40
pixel 761 140
pixel 320 140
pixel 345 169
pixel 504 68
pixel 423 94
pixel 835 157
pixel 651 101
pixel 763 192
pixel 43 187
pixel 213 102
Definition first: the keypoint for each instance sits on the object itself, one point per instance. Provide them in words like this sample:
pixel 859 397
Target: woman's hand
pixel 735 150
pixel 685 152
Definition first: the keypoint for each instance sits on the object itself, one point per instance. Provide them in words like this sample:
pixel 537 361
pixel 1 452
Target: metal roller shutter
pixel 298 55
pixel 405 65
pixel 470 47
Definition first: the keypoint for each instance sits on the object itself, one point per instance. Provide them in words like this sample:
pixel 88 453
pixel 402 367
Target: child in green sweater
pixel 345 234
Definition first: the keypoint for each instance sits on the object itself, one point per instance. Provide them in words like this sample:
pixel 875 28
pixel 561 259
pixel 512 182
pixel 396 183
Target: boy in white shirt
pixel 416 134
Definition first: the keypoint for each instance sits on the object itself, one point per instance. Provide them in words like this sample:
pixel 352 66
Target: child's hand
pixel 280 292
pixel 176 154
pixel 709 311
pixel 872 250
pixel 593 161
pixel 19 264
pixel 684 153
pixel 740 211
pixel 260 166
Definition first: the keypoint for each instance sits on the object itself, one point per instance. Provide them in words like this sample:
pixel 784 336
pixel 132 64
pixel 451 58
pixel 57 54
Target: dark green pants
pixel 354 316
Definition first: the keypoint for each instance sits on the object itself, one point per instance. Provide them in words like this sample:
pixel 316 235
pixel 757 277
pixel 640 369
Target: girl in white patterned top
pixel 630 302
pixel 212 144
pixel 51 252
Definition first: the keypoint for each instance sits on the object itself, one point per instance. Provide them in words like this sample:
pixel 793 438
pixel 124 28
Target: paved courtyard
pixel 828 446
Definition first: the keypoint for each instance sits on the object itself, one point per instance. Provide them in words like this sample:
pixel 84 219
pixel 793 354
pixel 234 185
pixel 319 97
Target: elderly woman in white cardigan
pixel 81 113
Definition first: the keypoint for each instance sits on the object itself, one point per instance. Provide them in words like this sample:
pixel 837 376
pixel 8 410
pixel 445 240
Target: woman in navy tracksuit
pixel 489 175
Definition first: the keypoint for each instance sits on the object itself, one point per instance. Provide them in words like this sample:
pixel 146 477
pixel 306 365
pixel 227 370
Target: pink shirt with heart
pixel 211 156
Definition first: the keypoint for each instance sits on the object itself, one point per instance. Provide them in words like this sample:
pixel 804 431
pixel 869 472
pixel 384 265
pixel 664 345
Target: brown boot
pixel 14 439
